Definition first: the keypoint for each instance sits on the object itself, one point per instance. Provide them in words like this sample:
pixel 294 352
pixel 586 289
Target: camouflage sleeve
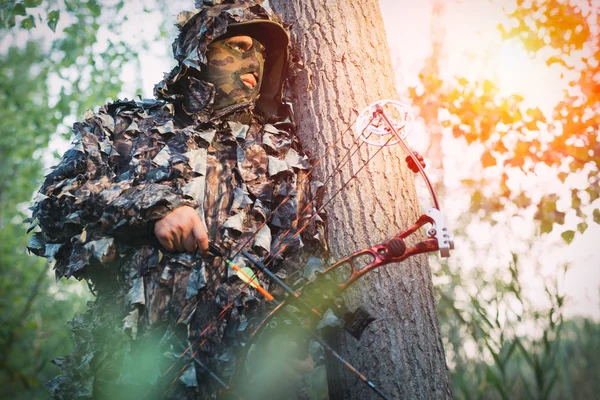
pixel 95 195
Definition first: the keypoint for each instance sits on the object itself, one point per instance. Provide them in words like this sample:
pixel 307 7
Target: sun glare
pixel 475 49
pixel 513 68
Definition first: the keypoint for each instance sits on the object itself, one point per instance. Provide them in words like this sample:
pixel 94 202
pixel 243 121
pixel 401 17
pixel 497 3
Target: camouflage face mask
pixel 235 67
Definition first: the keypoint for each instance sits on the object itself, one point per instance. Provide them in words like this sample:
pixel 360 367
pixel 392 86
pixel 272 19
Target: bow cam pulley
pixel 371 127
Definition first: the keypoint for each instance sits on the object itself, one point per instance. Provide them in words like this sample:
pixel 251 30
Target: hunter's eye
pixel 241 43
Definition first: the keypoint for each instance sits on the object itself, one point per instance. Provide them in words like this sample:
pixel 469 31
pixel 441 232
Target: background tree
pixel 47 79
pixel 345 65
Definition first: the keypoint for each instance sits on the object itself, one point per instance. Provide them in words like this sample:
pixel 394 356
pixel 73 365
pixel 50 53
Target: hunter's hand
pixel 182 230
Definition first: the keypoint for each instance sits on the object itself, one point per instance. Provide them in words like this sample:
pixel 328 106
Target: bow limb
pixel 390 126
pixel 438 230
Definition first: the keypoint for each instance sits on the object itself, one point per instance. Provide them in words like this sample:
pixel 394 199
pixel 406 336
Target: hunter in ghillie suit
pixel 146 185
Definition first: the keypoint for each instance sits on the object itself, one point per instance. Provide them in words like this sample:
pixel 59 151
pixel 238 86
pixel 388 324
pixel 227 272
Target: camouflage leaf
pixel 163 157
pixel 238 129
pixel 136 294
pixel 196 281
pixel 235 222
pixel 294 160
pixel 263 239
pixel 330 320
pixel 189 376
pixel 36 244
pixel 103 250
pixel 276 166
pixel 130 323
pixel 51 250
pixel 197 160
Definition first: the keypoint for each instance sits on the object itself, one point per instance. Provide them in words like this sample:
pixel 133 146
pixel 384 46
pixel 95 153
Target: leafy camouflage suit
pixel 131 163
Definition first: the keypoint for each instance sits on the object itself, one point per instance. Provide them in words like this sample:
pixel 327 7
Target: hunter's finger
pixel 189 243
pixel 177 237
pixel 178 246
pixel 200 236
pixel 167 243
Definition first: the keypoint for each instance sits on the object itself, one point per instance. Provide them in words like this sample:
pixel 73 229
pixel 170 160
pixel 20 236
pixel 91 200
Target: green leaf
pixel 32 3
pixel 53 19
pixel 19 9
pixel 582 227
pixel 568 236
pixel 94 7
pixel 28 23
pixel 550 385
pixel 597 216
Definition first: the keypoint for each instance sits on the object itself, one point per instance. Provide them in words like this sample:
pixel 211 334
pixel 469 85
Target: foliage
pixel 499 342
pixel 10 10
pixel 43 84
pixel 524 139
pixel 492 358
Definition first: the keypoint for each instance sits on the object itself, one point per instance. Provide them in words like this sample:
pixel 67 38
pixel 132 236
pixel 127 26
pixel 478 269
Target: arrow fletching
pixel 247 276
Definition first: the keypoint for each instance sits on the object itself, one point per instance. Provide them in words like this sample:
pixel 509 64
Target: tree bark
pixel 343 47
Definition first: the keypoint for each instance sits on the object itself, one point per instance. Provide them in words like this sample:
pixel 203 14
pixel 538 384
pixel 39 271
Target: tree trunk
pixel 343 47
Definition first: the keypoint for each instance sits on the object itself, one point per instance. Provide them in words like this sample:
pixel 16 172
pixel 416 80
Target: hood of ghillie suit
pixel 214 20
